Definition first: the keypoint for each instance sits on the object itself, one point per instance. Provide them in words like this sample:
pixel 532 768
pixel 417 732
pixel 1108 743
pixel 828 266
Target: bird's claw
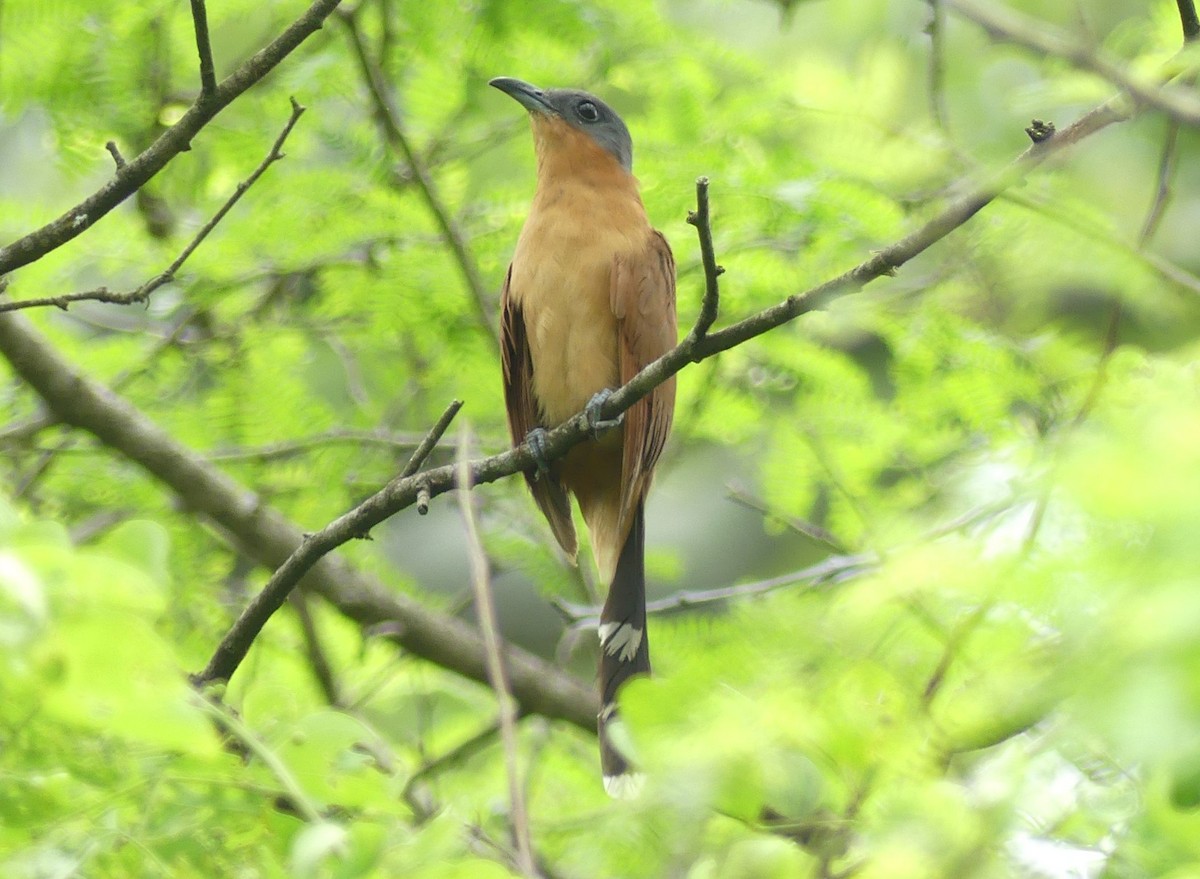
pixel 597 424
pixel 536 440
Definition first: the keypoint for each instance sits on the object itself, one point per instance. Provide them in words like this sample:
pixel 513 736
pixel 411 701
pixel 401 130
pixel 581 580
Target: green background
pixel 1012 690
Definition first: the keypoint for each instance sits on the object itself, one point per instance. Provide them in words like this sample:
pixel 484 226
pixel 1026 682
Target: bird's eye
pixel 587 111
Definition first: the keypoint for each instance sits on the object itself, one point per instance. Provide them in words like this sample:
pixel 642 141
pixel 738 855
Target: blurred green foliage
pixel 1013 691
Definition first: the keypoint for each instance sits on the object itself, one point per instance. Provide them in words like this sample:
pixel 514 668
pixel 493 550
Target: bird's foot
pixel 597 424
pixel 536 440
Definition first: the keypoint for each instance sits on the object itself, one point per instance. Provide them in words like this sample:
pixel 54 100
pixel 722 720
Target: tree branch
pixel 811 530
pixel 318 660
pixel 1004 24
pixel 485 612
pixel 263 534
pixel 388 119
pixel 712 291
pixel 935 28
pixel 1187 18
pixel 833 569
pixel 291 448
pixel 208 78
pixel 142 293
pixel 241 636
pixel 455 757
pixel 169 144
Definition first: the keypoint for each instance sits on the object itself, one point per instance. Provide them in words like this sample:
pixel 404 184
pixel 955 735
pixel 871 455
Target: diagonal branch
pixel 208 77
pixel 238 640
pixel 1187 18
pixel 129 178
pixel 142 293
pixel 262 533
pixel 388 119
pixel 1004 24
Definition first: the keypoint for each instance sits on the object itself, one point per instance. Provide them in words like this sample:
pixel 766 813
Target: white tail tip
pixel 626 786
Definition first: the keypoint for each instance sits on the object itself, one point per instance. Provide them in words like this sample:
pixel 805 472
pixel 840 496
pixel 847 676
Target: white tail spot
pixel 620 640
pixel 625 786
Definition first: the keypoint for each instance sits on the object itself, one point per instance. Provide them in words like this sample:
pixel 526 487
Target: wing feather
pixel 523 416
pixel 643 300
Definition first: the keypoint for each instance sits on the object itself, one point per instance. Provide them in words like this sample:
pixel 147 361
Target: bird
pixel 588 301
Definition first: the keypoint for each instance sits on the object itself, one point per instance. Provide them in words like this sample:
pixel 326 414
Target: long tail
pixel 624 651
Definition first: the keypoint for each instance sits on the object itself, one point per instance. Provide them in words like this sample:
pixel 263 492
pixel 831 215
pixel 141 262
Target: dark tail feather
pixel 624 650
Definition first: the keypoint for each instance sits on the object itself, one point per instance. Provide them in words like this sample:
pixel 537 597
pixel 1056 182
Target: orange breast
pixel 586 211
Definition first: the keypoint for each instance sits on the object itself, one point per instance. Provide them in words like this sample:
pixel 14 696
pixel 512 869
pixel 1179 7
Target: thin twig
pixel 318 659
pixel 142 293
pixel 950 652
pixel 115 152
pixel 237 641
pixel 452 758
pixel 485 612
pixel 712 294
pixel 388 118
pixel 231 724
pixel 811 530
pixel 208 77
pixel 421 452
pixel 169 144
pixel 1164 268
pixel 419 489
pixel 1187 17
pixel 24 430
pixel 1037 35
pixel 833 569
pixel 937 36
pixel 290 448
pixel 1162 191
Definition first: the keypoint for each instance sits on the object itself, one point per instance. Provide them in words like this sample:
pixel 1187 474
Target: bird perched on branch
pixel 588 301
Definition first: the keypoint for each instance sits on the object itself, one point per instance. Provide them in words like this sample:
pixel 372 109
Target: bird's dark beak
pixel 528 96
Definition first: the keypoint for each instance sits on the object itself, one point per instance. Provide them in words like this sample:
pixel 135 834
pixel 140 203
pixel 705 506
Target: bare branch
pixel 485 612
pixel 431 439
pixel 242 634
pixel 937 37
pixel 291 448
pixel 457 755
pixel 1004 24
pixel 811 530
pixel 115 152
pixel 1164 268
pixel 169 144
pixel 318 660
pixel 24 430
pixel 142 293
pixel 1162 190
pixel 208 76
pixel 1187 17
pixel 230 724
pixel 388 119
pixel 954 643
pixel 833 569
pixel 712 293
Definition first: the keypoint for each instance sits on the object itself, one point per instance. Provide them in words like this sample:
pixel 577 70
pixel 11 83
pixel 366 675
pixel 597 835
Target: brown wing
pixel 643 300
pixel 523 417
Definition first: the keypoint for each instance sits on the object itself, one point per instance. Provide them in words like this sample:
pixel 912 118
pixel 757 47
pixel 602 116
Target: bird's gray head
pixel 578 109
